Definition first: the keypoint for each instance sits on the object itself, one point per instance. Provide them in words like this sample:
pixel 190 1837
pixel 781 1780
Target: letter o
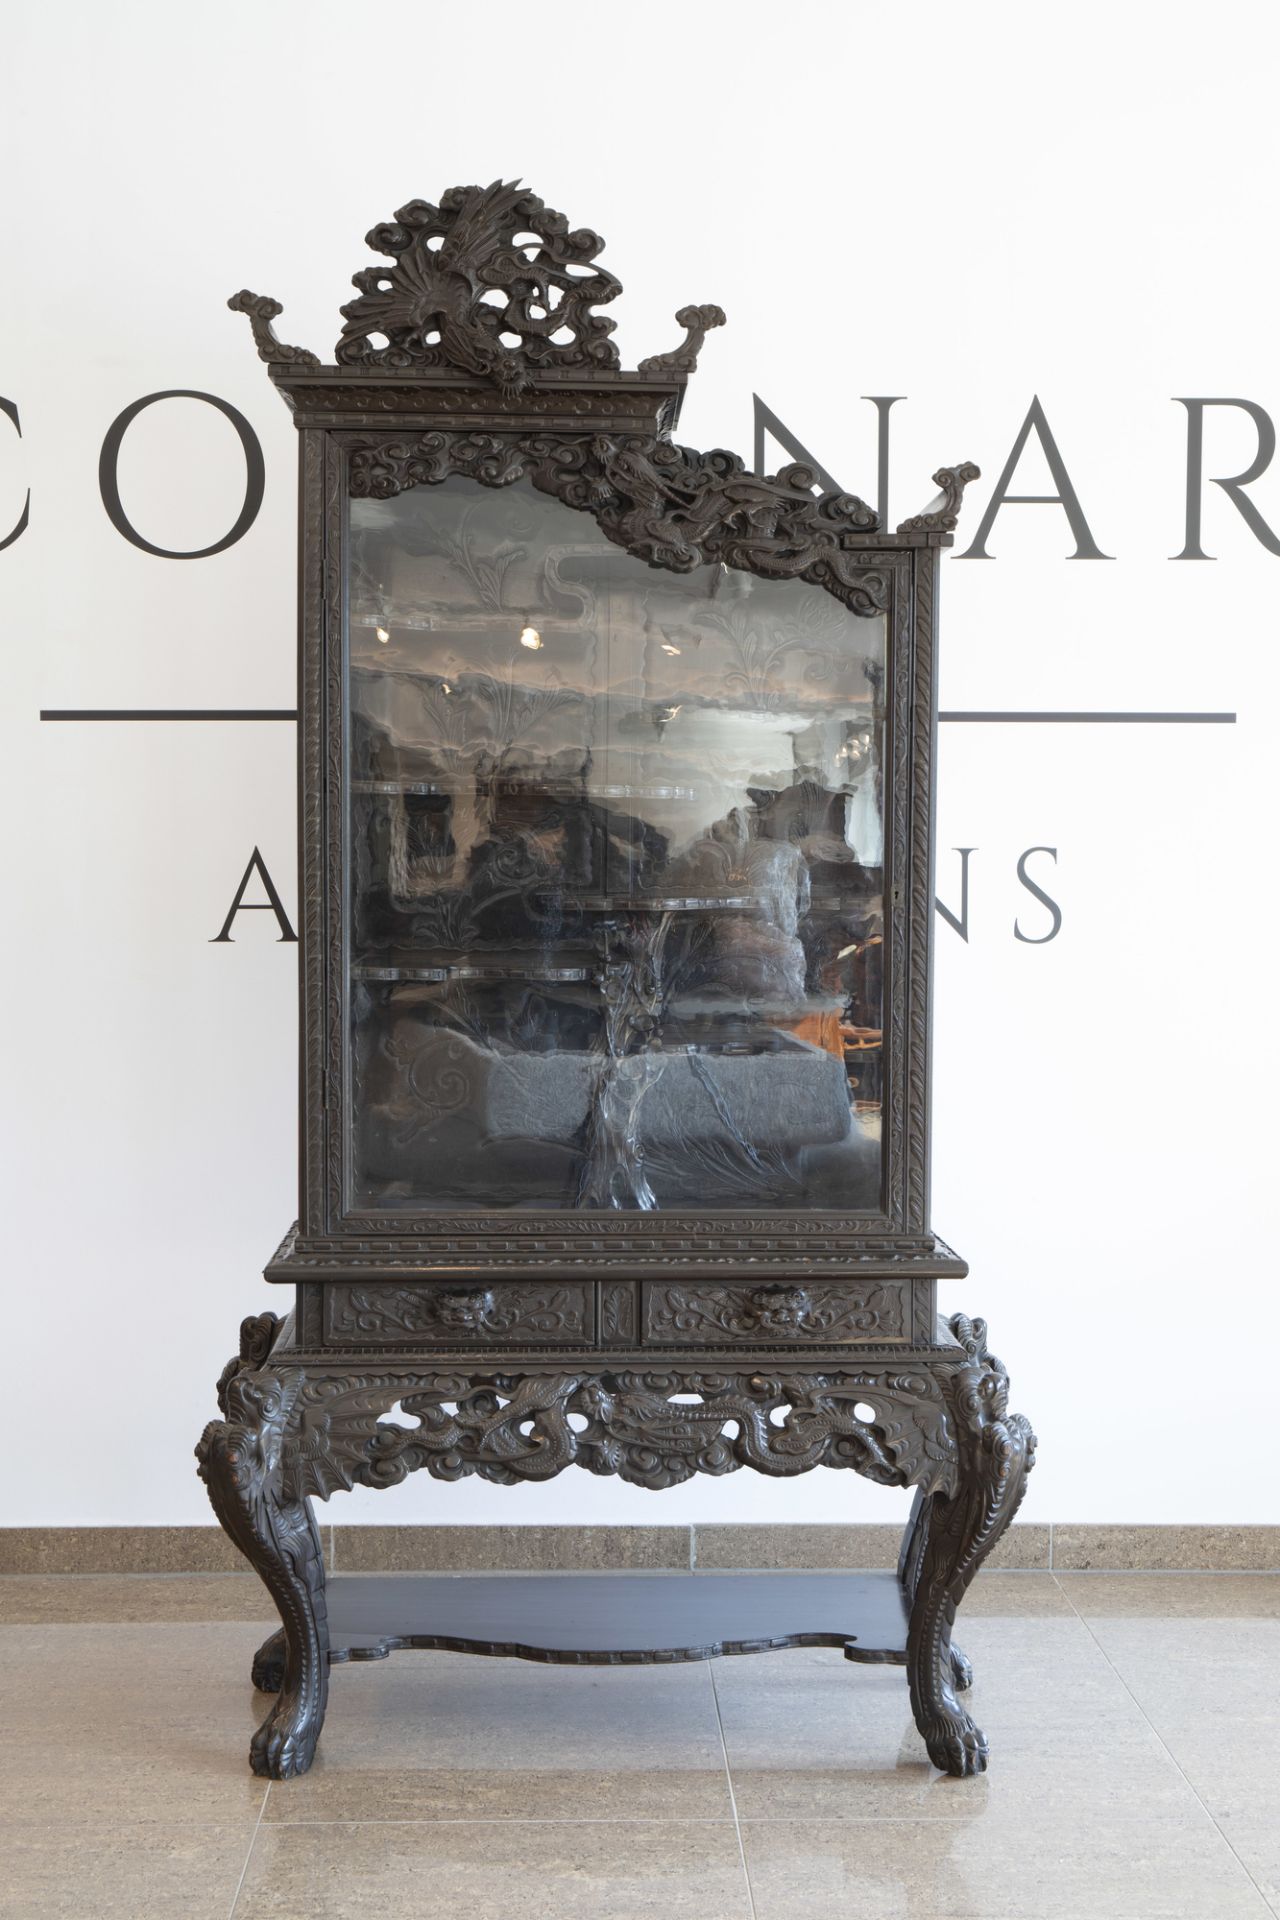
pixel 254 485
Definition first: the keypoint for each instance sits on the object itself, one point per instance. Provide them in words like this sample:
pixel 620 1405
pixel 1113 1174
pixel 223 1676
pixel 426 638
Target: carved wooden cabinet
pixel 616 797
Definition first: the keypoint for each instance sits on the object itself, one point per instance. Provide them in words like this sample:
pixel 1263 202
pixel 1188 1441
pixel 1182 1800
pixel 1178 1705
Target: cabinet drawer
pixel 775 1314
pixel 518 1315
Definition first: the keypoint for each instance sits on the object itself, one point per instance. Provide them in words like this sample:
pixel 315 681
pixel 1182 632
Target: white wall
pixel 965 206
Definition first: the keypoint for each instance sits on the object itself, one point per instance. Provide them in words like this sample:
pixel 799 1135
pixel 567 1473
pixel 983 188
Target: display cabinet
pixel 615 816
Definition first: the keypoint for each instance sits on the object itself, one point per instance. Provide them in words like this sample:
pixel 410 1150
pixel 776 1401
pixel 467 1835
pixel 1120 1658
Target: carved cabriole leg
pixel 244 1463
pixel 949 1537
pixel 909 1576
pixel 267 1671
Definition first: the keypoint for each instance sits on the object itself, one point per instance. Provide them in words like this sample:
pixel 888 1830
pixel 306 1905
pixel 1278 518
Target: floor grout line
pixel 235 1898
pixel 733 1798
pixel 1173 1758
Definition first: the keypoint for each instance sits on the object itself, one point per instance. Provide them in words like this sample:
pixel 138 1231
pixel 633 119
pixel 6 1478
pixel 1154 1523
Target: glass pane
pixel 616 871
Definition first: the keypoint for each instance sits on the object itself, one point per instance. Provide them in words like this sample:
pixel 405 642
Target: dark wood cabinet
pixel 616 800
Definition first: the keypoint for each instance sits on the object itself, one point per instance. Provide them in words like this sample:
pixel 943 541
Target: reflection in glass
pixel 616 854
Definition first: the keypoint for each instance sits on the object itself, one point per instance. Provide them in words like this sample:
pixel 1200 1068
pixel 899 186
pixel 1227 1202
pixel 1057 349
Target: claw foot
pixel 284 1745
pixel 957 1746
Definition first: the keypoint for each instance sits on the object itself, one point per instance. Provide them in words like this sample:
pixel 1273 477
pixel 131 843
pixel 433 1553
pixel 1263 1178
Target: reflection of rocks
pixel 727 861
pixel 751 958
pixel 840 847
pixel 796 812
pixel 753 952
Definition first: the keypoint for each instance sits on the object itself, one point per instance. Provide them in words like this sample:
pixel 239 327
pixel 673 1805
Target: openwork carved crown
pixel 492 285
pixel 491 282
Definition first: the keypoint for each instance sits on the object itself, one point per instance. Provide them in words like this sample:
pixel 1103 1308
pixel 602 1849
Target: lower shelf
pixel 616 1619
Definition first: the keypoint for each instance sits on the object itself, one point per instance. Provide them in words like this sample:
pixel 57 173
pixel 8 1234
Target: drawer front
pixel 541 1315
pixel 775 1314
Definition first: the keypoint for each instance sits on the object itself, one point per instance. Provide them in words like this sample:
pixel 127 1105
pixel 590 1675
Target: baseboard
pixel 1064 1547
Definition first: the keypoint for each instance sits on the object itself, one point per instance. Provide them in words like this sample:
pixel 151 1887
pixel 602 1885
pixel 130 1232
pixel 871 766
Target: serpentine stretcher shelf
pixel 616 1619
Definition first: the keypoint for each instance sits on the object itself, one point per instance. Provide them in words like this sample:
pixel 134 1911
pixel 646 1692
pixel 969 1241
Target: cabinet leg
pixel 240 1463
pixel 267 1671
pixel 949 1536
pixel 909 1576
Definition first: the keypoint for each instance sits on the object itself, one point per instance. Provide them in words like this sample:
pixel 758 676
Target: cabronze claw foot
pixel 248 1466
pixel 950 1534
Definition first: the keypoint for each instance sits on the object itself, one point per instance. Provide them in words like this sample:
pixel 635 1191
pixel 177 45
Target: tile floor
pixel 1134 1769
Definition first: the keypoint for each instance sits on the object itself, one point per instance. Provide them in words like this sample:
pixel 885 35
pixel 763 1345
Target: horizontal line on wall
pixel 977 715
pixel 168 713
pixel 1099 719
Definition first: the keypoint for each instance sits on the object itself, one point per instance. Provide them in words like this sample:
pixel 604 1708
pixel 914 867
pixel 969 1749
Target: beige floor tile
pixel 1200 1655
pixel 439 1736
pixel 113 1872
pixel 1255 1839
pixel 1197 1671
pixel 1234 1771
pixel 126 1710
pixel 1164 1596
pixel 1043 1869
pixel 1126 1772
pixel 48 1599
pixel 582 1871
pixel 335 1790
pixel 127 1723
pixel 1051 1668
pixel 1064 1731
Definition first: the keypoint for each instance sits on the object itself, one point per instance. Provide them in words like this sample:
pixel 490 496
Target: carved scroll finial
pixel 262 310
pixel 697 323
pixel 940 515
pixel 489 282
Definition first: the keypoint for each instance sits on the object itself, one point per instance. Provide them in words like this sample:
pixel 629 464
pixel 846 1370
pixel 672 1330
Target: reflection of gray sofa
pixel 714 1128
pixel 789 1099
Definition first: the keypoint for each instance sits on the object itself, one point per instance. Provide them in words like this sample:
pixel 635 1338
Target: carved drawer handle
pixel 464 1312
pixel 780 1308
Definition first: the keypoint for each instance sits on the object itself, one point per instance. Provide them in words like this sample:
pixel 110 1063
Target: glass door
pixel 616 865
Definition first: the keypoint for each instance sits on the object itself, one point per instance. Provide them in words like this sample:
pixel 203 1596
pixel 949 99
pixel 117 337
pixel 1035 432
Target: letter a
pixel 272 903
pixel 1086 546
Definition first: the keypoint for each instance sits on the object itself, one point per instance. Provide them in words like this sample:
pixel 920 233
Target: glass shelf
pixel 514 970
pixel 502 784
pixel 679 903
